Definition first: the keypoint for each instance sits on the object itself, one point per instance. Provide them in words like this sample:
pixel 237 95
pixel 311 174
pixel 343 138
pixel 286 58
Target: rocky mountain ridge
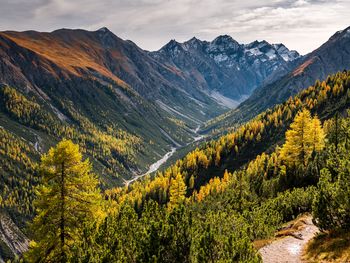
pixel 329 58
pixel 225 66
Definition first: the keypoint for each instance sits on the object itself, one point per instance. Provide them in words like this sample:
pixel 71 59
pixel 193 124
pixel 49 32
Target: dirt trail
pixel 289 249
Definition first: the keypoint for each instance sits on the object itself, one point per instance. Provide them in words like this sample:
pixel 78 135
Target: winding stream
pixel 155 166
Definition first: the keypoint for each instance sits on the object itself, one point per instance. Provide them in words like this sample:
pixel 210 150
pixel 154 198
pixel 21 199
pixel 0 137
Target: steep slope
pixel 332 56
pixel 65 84
pixel 67 54
pixel 227 212
pixel 233 151
pixel 107 93
pixel 223 68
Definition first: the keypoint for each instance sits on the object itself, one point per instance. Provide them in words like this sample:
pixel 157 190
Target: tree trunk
pixel 62 221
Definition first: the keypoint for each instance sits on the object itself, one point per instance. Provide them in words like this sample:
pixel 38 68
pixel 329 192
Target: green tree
pixel 67 199
pixel 331 207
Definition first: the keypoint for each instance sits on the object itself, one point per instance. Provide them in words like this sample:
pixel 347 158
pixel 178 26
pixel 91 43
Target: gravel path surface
pixel 289 249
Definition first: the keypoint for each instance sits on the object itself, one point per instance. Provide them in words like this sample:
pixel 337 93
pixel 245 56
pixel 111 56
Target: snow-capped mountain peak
pixel 225 65
pixel 285 53
pixel 224 43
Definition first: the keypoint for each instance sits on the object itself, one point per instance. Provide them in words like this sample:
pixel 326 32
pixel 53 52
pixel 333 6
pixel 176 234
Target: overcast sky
pixel 299 24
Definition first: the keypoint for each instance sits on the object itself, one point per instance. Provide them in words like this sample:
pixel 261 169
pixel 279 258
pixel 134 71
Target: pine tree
pixel 67 200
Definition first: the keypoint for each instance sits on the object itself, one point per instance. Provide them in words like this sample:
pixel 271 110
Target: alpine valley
pixel 186 143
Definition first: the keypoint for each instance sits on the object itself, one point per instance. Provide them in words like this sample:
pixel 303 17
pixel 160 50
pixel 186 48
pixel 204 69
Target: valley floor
pixel 155 166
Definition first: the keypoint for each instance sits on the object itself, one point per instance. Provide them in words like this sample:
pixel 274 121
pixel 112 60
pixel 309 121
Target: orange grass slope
pixel 75 52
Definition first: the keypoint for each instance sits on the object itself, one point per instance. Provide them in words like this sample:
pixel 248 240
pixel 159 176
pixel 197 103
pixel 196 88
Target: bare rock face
pixel 12 238
pixel 331 57
pixel 226 66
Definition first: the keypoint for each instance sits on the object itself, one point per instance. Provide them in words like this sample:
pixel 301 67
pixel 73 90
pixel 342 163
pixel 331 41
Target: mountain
pixel 267 172
pixel 223 68
pixel 70 54
pixel 332 56
pixel 71 83
pixel 126 106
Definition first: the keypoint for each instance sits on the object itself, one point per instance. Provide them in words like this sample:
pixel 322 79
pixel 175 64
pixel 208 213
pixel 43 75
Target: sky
pixel 302 25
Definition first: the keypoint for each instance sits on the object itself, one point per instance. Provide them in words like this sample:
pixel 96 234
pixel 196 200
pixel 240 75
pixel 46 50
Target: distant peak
pixel 279 45
pixel 172 43
pixel 223 38
pixel 258 43
pixel 103 30
pixel 224 43
pixel 193 40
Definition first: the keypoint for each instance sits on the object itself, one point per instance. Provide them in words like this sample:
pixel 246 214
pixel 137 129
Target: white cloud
pixel 300 24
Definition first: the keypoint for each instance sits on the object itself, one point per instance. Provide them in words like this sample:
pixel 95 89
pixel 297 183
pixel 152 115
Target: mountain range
pixel 329 58
pixel 128 108
pixel 84 79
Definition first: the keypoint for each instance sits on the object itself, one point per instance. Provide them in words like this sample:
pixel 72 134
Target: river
pixel 155 166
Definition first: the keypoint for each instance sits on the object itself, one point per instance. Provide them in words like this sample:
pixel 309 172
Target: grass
pixel 329 247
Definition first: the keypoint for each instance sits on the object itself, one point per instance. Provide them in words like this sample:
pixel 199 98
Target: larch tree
pixel 303 138
pixel 317 135
pixel 67 199
pixel 177 191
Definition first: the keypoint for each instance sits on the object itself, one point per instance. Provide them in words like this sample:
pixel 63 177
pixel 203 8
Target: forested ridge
pixel 237 148
pixel 209 206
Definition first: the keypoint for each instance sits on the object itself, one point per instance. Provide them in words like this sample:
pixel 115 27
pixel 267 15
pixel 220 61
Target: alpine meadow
pixel 235 149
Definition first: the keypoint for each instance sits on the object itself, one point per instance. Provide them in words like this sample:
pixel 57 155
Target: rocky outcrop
pixel 13 241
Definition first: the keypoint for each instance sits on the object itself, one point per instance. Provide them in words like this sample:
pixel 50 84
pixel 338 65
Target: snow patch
pixel 255 51
pixel 220 58
pixel 271 54
pixel 347 33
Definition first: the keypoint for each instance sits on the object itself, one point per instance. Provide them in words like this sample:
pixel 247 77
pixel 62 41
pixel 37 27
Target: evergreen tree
pixel 67 199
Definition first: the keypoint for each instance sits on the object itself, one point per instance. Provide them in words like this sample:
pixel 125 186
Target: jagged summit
pixel 224 43
pixel 223 38
pixel 192 40
pixel 103 29
pixel 225 65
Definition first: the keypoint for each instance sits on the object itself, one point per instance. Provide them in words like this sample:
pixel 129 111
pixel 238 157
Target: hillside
pixel 236 149
pixel 163 219
pixel 37 59
pixel 82 80
pixel 86 116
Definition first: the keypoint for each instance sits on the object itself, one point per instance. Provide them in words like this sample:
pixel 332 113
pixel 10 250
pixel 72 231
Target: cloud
pixel 300 24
